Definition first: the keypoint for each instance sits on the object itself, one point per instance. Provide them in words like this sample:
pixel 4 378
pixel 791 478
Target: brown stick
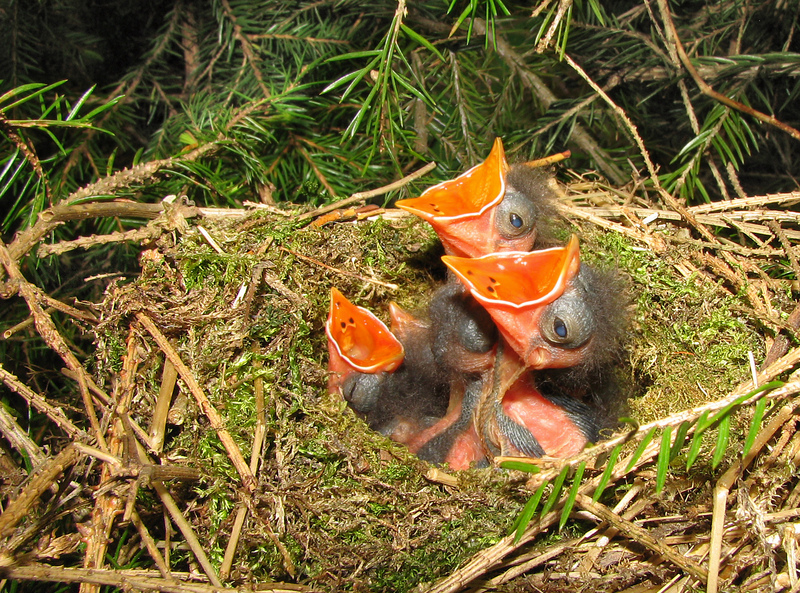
pixel 548 160
pixel 107 505
pixel 131 580
pixel 151 546
pixel 786 198
pixel 158 424
pixel 138 235
pixel 248 479
pixel 642 536
pixel 19 439
pixel 40 480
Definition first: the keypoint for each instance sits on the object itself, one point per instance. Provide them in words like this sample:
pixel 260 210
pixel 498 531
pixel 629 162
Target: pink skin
pixel 556 432
pixel 467 449
pixel 550 425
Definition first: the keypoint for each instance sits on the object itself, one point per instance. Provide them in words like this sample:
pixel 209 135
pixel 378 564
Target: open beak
pixel 358 342
pixel 460 210
pixel 515 287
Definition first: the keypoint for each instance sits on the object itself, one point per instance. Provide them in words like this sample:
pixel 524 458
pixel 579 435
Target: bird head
pixel 535 301
pixel 358 342
pixel 492 207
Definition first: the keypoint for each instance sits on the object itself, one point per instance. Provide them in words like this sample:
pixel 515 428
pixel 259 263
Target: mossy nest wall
pixel 337 505
pixel 281 483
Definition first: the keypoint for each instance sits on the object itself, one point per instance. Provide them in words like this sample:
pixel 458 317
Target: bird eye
pixel 516 215
pixel 560 328
pixel 568 322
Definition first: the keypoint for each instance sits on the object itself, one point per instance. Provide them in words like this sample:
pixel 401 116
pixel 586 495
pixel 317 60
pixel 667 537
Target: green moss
pixel 688 343
pixel 396 470
pixel 458 540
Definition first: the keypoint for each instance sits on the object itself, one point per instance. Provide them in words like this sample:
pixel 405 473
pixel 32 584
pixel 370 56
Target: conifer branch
pixel 705 88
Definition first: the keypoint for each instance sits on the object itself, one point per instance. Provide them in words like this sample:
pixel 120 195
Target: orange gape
pixel 358 342
pixel 462 210
pixel 514 287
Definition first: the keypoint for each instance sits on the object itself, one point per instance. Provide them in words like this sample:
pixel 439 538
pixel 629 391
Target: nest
pixel 203 453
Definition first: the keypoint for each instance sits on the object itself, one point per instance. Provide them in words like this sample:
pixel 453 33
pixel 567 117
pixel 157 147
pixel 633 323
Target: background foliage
pixel 306 101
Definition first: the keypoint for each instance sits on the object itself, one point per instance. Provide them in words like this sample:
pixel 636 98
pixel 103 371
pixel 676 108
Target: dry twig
pixel 248 480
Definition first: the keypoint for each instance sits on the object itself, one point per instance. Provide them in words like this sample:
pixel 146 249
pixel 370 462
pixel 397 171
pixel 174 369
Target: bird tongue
pixel 358 341
pixel 456 208
pixel 514 287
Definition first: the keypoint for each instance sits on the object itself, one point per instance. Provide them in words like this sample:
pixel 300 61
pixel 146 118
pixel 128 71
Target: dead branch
pixel 146 234
pixel 642 536
pixel 151 546
pixel 248 480
pixel 48 331
pixel 37 401
pixel 365 195
pixel 785 198
pixel 158 422
pixel 187 531
pixel 107 505
pixel 40 480
pixel 19 438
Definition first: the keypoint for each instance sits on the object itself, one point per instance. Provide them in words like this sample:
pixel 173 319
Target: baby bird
pixel 561 388
pixel 515 357
pixel 358 342
pixel 403 401
pixel 492 207
pixel 482 368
